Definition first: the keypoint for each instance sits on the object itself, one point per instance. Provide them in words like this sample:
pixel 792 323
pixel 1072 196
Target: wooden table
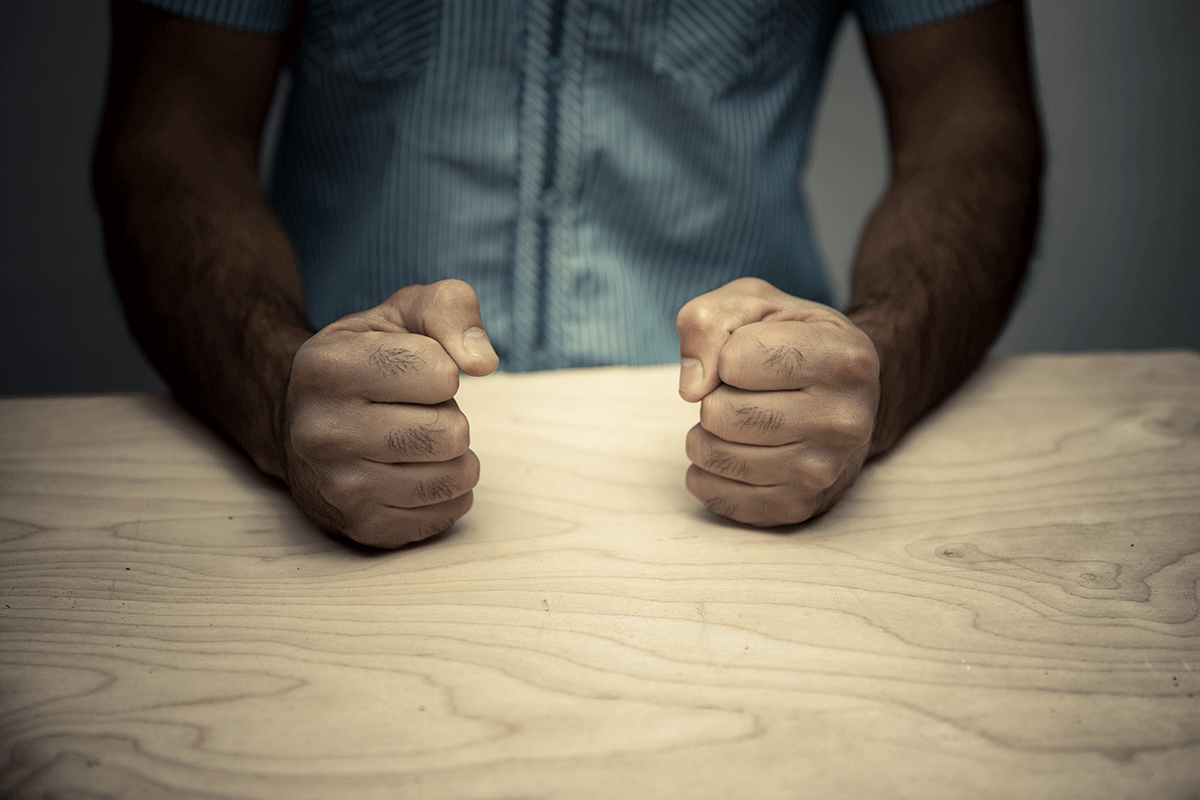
pixel 1004 607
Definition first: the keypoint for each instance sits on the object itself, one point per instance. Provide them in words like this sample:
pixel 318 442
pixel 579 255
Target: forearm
pixel 940 266
pixel 208 279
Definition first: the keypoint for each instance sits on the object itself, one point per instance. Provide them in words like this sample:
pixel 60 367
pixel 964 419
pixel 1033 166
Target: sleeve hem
pixel 877 17
pixel 253 16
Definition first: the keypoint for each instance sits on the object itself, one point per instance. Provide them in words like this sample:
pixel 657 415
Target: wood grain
pixel 1007 606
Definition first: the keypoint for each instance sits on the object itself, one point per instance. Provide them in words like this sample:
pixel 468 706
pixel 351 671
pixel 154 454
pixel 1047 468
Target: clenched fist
pixel 376 445
pixel 788 392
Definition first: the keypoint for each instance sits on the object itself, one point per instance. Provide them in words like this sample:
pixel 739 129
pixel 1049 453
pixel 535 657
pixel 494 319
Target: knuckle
pixel 734 366
pixel 815 473
pixel 710 414
pixel 797 509
pixel 445 296
pixel 694 445
pixel 399 297
pixel 858 362
pixel 715 417
pixel 695 317
pixel 446 437
pixel 750 285
pixel 453 290
pixel 445 377
pixel 850 426
pixel 470 474
pixel 783 506
pixel 311 361
pixel 363 527
pixel 311 434
pixel 346 488
pixel 455 433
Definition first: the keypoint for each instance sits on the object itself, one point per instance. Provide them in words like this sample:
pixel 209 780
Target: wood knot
pixel 1179 423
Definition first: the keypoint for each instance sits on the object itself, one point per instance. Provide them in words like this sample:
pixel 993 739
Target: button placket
pixel 568 147
pixel 551 135
pixel 535 131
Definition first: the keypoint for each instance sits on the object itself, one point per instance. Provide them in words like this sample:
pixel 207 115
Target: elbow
pixel 103 172
pixel 1035 151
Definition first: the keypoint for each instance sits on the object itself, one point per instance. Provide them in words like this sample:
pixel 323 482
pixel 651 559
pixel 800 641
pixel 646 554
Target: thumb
pixel 707 322
pixel 448 312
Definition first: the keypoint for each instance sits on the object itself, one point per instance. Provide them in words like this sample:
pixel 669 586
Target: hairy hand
pixel 788 392
pixel 376 445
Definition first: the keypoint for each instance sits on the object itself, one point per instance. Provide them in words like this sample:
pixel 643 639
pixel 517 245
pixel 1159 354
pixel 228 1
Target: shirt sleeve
pixel 888 16
pixel 256 16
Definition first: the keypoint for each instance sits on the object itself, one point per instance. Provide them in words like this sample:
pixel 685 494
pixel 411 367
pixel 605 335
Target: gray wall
pixel 1118 265
pixel 59 320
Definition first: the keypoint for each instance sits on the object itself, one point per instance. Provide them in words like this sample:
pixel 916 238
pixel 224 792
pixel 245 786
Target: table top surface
pixel 1005 606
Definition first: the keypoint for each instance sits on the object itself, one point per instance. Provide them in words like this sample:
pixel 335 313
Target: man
pixel 554 180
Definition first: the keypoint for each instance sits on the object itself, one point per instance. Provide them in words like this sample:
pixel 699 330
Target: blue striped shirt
pixel 588 166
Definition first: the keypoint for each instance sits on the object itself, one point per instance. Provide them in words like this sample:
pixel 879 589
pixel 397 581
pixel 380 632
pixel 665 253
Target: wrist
pixel 260 412
pixel 893 415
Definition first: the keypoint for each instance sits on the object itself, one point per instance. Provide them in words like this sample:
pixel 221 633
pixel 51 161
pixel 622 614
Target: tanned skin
pixel 935 277
pixel 209 281
pixel 359 419
pixel 945 252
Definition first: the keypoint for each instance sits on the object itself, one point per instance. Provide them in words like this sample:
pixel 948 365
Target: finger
pixel 707 322
pixel 448 312
pixel 418 485
pixel 383 432
pixel 834 421
pixel 391 527
pixel 808 469
pixel 761 506
pixel 771 356
pixel 374 365
pixel 411 486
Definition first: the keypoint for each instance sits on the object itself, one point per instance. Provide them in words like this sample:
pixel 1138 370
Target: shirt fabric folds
pixel 588 166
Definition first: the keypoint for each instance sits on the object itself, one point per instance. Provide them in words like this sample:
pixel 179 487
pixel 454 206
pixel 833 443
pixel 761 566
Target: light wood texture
pixel 1005 607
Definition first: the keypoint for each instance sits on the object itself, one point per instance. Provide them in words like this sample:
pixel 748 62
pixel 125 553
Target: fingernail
pixel 691 375
pixel 477 345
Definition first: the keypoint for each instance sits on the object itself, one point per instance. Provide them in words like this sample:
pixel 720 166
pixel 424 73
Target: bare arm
pixel 795 396
pixel 207 276
pixel 943 255
pixel 358 418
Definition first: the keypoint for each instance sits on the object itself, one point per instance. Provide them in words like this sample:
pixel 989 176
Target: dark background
pixel 1118 265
